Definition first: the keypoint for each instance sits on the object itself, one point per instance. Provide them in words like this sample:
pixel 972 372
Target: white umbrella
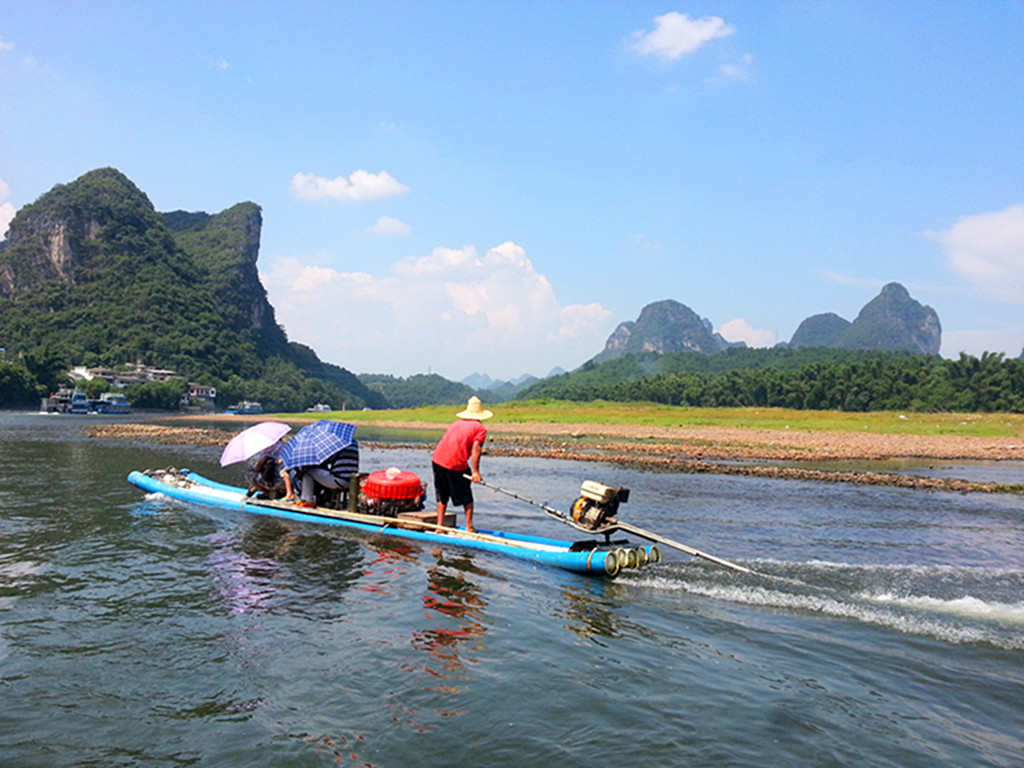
pixel 251 441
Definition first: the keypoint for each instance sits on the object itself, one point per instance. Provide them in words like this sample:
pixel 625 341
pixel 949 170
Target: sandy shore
pixel 717 450
pixel 733 442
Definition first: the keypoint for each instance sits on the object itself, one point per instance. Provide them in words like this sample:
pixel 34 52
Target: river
pixel 140 631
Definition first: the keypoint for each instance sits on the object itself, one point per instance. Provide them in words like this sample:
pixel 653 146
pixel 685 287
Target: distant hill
pixel 417 390
pixel 823 330
pixel 431 389
pixel 894 322
pixel 663 327
pixel 498 391
pixel 92 275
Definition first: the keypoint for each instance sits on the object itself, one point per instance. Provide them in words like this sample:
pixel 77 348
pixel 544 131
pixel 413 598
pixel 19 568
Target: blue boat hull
pixel 596 559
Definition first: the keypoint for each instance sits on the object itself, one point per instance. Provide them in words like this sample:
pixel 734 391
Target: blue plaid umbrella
pixel 317 442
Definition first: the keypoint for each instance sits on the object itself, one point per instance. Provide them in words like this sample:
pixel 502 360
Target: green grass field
pixel 651 414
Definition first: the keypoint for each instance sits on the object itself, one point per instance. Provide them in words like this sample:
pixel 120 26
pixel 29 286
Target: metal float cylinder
pixel 611 563
pixel 626 557
pixel 653 554
pixel 641 556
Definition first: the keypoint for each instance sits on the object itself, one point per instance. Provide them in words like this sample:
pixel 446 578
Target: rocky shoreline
pixel 699 450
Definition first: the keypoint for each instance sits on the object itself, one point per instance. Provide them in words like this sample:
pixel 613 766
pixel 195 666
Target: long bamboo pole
pixel 617 526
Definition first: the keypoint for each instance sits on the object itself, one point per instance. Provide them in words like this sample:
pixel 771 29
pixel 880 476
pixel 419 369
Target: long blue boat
pixel 595 557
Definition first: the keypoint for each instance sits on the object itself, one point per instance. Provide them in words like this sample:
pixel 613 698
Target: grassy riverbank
pixel 603 414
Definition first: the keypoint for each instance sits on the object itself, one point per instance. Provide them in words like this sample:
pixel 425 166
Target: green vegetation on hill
pixel 421 389
pixel 92 275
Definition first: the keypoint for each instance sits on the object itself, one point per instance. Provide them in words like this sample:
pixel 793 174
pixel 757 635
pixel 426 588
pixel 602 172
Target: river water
pixel 140 631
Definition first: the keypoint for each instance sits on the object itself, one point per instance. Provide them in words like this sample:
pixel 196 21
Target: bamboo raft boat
pixel 595 556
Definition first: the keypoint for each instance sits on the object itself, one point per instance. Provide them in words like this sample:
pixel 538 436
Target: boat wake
pixel 953 604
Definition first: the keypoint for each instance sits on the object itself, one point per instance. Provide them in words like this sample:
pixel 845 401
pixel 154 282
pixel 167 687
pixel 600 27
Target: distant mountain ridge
pixel 497 390
pixel 891 322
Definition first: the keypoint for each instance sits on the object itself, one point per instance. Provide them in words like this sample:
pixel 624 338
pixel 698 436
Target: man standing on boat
pixel 457 453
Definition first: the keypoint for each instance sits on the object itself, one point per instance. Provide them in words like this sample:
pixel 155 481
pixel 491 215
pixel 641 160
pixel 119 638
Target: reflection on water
pixel 379 574
pixel 453 595
pixel 245 583
pixel 587 614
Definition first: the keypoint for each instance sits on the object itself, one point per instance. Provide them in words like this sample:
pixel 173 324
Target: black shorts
pixel 452 485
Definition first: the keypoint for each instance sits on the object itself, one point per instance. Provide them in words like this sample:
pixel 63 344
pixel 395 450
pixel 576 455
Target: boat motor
pixel 597 503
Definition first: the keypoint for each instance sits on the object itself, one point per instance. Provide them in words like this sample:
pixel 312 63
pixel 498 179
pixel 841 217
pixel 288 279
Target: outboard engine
pixel 597 503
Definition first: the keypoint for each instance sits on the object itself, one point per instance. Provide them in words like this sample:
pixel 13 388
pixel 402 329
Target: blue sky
pixel 492 187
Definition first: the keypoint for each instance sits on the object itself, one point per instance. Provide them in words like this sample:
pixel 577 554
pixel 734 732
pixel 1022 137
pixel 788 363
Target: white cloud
pixel 579 320
pixel 646 243
pixel 440 260
pixel 389 226
pixel 360 185
pixel 738 71
pixel 740 330
pixel 676 35
pixel 987 250
pixel 455 311
pixel 7 210
pixel 5 46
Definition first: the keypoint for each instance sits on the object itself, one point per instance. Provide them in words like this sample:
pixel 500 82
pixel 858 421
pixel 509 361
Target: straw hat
pixel 474 410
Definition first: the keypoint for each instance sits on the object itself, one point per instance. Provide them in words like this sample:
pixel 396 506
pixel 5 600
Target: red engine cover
pixel 393 484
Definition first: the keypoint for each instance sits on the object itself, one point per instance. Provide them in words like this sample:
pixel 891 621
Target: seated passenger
pixel 267 478
pixel 335 474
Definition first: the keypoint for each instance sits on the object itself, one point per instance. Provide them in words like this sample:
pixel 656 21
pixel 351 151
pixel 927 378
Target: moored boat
pixel 591 556
pixel 65 401
pixel 245 408
pixel 112 403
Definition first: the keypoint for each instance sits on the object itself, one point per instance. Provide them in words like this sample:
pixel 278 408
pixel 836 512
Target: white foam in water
pixel 933 569
pixel 964 606
pixel 900 614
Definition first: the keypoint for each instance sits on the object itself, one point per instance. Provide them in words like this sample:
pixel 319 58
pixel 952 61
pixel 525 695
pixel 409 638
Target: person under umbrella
pixel 323 454
pixel 263 442
pixel 267 478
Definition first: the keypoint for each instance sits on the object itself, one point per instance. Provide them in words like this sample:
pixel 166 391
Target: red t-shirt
pixel 453 450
